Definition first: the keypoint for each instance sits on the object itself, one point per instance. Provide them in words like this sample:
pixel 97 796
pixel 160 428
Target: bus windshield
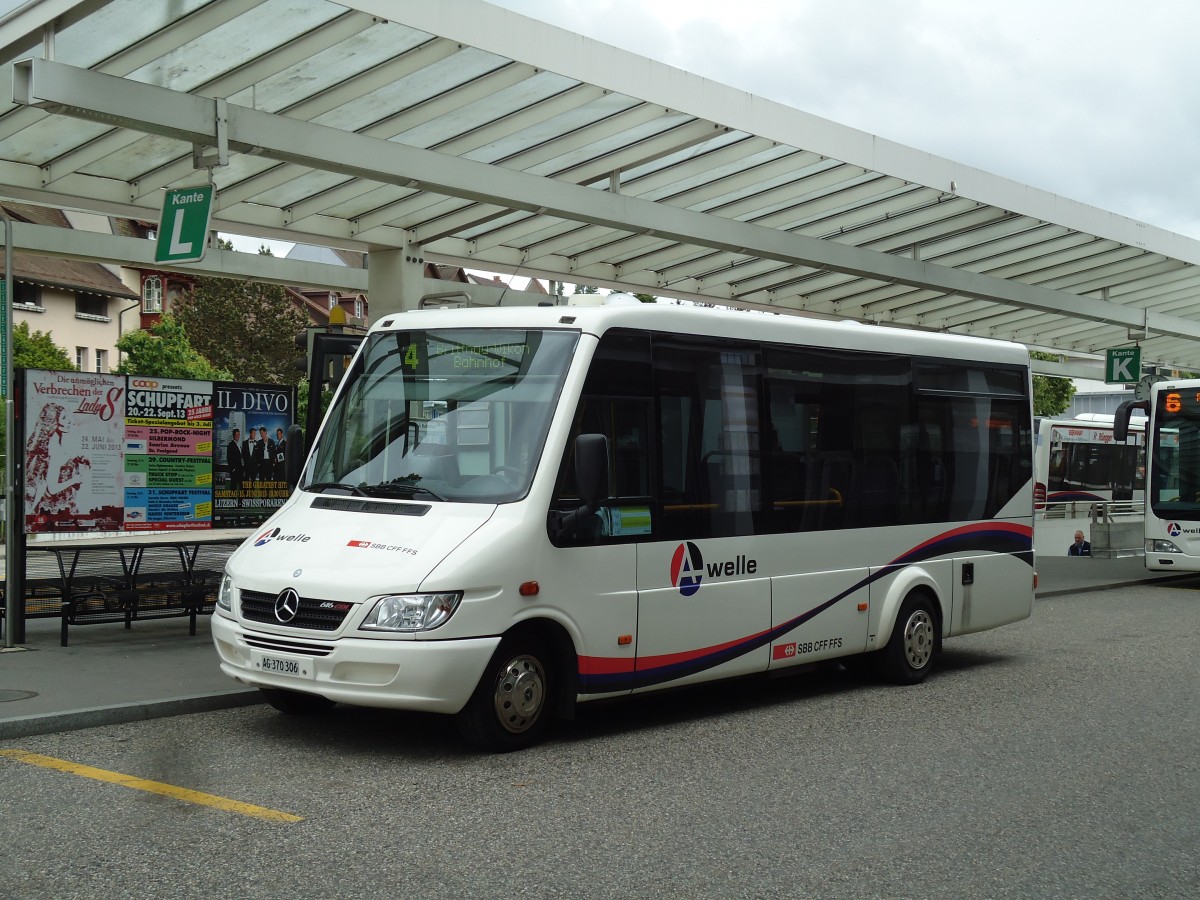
pixel 1175 493
pixel 454 415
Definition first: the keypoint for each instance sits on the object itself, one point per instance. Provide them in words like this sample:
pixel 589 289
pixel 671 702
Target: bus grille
pixel 280 645
pixel 318 615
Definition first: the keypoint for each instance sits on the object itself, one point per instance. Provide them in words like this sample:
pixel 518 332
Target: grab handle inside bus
pixel 1121 418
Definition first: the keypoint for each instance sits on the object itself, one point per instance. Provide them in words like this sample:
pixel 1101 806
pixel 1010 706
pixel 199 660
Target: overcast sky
pixel 1095 100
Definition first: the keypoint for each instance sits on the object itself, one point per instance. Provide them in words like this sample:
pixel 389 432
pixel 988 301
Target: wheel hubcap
pixel 918 639
pixel 520 693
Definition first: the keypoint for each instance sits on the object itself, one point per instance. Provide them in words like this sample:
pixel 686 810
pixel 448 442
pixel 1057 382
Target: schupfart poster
pixel 168 454
pixel 117 453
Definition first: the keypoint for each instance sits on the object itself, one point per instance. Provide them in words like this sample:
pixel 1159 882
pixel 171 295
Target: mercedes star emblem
pixel 287 604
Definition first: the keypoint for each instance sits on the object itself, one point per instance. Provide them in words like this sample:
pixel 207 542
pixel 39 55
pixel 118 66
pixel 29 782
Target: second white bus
pixel 511 511
pixel 1079 461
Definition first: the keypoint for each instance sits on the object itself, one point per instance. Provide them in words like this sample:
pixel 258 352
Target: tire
pixel 295 703
pixel 915 642
pixel 510 709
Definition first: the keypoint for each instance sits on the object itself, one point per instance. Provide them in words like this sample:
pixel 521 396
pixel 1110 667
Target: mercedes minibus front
pixel 407 550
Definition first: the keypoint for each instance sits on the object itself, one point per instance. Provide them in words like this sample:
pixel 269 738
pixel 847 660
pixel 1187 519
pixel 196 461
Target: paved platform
pixel 109 674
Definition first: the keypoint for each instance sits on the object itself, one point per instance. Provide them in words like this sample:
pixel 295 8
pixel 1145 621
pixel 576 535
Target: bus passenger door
pixel 703 612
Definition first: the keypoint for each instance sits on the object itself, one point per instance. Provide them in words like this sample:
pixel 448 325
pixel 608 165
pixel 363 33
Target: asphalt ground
pixel 109 674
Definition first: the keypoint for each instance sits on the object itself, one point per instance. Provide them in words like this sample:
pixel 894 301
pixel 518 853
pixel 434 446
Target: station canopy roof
pixel 466 134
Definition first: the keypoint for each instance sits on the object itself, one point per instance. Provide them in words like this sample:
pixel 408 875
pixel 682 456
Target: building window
pixel 358 310
pixel 81 358
pixel 152 294
pixel 27 295
pixel 332 300
pixel 91 306
pixel 101 361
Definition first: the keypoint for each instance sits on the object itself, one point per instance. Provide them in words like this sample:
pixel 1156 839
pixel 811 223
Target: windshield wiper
pixel 401 489
pixel 321 487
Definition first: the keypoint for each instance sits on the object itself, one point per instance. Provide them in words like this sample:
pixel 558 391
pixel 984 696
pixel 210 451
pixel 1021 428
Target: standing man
pixel 1080 547
pixel 233 459
pixel 280 456
pixel 249 456
pixel 262 462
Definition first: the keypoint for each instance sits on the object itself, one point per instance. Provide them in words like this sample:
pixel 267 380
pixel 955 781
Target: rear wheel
pixel 915 641
pixel 510 707
pixel 295 703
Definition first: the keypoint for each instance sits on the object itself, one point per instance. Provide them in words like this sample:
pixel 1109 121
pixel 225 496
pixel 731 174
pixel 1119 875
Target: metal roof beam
pixel 95 97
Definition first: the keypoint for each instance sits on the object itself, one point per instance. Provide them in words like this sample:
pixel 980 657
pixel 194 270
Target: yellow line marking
pixel 153 787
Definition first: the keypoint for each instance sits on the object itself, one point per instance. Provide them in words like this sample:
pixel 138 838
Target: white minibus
pixel 1172 529
pixel 509 511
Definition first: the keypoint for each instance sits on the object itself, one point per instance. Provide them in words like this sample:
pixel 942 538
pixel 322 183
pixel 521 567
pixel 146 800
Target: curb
pixel 1108 586
pixel 27 726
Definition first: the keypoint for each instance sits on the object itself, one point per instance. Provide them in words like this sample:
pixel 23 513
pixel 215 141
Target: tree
pixel 1051 394
pixel 163 350
pixel 37 350
pixel 245 327
pixel 33 350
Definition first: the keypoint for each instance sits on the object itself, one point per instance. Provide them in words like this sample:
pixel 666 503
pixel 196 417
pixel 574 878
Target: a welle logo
pixel 276 534
pixel 688 569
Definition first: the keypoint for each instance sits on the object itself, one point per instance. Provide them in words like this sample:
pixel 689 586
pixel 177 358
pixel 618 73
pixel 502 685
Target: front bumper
pixel 431 676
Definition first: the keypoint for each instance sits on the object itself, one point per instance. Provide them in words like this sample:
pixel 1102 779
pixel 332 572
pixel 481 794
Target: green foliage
pixel 37 350
pixel 163 350
pixel 302 391
pixel 646 298
pixel 246 328
pixel 33 350
pixel 1051 395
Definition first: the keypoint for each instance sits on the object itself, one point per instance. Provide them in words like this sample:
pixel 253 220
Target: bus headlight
pixel 411 612
pixel 1159 546
pixel 225 593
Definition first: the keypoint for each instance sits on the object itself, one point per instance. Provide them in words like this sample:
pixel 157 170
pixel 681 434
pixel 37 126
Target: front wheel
pixel 509 709
pixel 915 641
pixel 295 703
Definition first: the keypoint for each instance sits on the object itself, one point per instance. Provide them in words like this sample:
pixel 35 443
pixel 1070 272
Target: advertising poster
pixel 250 454
pixel 74 447
pixel 168 454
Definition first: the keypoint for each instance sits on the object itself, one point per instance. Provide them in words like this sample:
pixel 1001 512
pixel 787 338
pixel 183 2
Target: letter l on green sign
pixel 183 228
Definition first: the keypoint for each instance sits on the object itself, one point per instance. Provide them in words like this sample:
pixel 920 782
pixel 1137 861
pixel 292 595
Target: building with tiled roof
pixel 84 306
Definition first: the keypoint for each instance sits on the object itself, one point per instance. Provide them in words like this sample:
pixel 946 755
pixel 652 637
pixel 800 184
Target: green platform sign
pixel 183 228
pixel 1122 365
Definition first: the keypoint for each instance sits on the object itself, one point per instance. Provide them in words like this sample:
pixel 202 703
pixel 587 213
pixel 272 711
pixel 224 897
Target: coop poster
pixel 74 451
pixel 168 454
pixel 251 449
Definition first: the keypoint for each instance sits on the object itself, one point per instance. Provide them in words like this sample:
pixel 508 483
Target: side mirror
pixel 591 469
pixel 295 457
pixel 591 477
pixel 1121 418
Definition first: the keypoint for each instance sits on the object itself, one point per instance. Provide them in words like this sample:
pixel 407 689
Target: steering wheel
pixel 510 472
